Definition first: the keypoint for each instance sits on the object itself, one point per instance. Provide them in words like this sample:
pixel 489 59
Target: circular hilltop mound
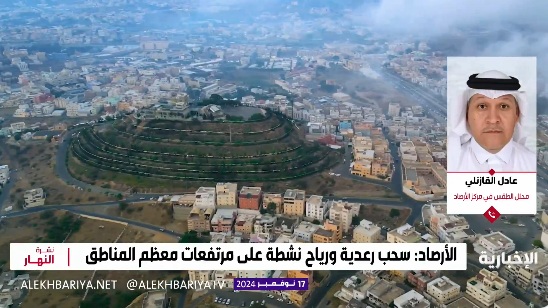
pixel 140 153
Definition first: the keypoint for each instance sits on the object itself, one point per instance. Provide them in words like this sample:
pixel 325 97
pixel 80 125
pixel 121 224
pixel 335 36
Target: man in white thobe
pixel 489 132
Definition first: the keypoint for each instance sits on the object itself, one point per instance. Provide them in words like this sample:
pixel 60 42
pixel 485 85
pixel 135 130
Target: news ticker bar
pixel 237 256
pixel 271 284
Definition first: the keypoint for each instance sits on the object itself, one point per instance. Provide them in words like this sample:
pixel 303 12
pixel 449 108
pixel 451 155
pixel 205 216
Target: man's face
pixel 491 121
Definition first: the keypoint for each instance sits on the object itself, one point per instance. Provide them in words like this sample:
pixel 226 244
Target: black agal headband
pixel 511 84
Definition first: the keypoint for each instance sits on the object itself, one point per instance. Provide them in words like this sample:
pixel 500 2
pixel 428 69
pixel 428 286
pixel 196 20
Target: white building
pixel 486 287
pixel 411 299
pixel 4 174
pixel 264 224
pixel 495 243
pixel 366 232
pixel 540 283
pixel 305 230
pixel 443 290
pixel 34 197
pixel 316 208
pixel 205 197
pixel 342 212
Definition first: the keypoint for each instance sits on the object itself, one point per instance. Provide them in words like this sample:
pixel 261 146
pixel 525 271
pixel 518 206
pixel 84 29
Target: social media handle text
pixel 137 284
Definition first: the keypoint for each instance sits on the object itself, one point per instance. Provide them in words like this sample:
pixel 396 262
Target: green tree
pixel 17 136
pixel 189 237
pixel 119 196
pixel 263 211
pixel 271 207
pixel 356 220
pixel 316 222
pixel 394 213
pixel 538 243
pixel 123 206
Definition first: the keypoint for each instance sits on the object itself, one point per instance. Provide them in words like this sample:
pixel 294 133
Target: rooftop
pixel 386 291
pixel 443 283
pixel 252 191
pixel 497 239
pixel 462 302
pixel 205 190
pixel 294 194
pixel 510 301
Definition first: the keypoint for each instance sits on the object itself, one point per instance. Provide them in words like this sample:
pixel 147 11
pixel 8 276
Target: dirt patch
pixel 381 215
pixel 324 184
pixel 157 214
pixel 35 161
pixel 141 235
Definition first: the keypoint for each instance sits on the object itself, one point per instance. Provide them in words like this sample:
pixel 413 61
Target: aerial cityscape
pixel 163 121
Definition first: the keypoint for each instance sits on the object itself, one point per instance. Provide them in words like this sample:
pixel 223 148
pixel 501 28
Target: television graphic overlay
pixel 491 136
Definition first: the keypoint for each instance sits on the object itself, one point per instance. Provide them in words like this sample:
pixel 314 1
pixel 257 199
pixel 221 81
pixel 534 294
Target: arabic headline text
pixel 237 256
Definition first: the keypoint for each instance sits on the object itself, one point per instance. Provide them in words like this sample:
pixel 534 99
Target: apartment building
pixel 273 200
pixel 225 276
pixel 305 230
pixel 223 220
pixel 294 202
pixel 383 293
pixel 286 225
pixel 366 232
pixel 403 234
pixel 34 197
pixel 301 274
pixel 244 224
pixel 443 290
pixel 540 283
pixel 495 243
pixel 523 275
pixel 227 195
pixel 321 235
pixel 342 212
pixel 203 275
pixel 264 224
pixel 316 208
pixel 205 198
pixel 299 297
pixel 486 287
pixel 250 198
pixel 411 299
pixel 199 219
pixel 394 109
pixel 420 279
pixel 4 174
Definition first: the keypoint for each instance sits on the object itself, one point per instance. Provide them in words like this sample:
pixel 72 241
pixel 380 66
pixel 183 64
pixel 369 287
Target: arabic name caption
pixel 273 255
pixel 490 180
pixel 57 284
